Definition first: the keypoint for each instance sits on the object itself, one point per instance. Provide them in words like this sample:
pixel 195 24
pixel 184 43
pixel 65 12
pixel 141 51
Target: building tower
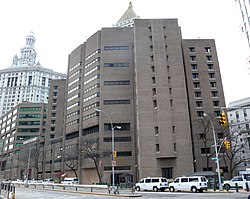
pixel 25 79
pixel 127 19
pixel 142 78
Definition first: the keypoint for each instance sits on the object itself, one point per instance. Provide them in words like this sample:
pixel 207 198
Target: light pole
pixel 113 147
pixel 216 151
pixel 28 163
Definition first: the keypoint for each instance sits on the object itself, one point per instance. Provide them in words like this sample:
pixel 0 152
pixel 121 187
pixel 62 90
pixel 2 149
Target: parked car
pixel 152 183
pixel 192 183
pixel 240 180
pixel 70 181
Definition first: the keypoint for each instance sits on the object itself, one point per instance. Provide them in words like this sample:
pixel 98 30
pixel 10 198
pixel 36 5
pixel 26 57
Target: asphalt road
pixel 28 193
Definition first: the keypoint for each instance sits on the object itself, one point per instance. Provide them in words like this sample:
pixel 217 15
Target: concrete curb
pixel 88 193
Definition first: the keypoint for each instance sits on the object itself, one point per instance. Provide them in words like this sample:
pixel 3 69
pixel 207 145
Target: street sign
pixel 214 158
pixel 114 163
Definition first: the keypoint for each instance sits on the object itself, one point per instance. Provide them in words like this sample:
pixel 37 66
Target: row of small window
pixel 112 102
pixel 116 47
pixel 91 79
pixel 124 126
pixel 210 75
pixel 73 105
pixel 91 88
pixel 75 66
pixel 126 64
pixel 201 113
pixel 73 114
pixel 209 66
pixel 32 109
pixel 24 137
pixel 117 168
pixel 119 153
pixel 22 91
pixel 107 127
pixel 74 74
pixel 74 81
pixel 200 104
pixel 30 115
pixel 86 108
pixel 117 139
pixel 212 84
pixel 92 62
pixel 72 122
pixel 194 58
pixel 73 97
pixel 86 117
pixel 74 89
pixel 198 94
pixel 115 83
pixel 92 54
pixel 21 123
pixel 91 97
pixel 206 49
pixel 92 70
pixel 29 130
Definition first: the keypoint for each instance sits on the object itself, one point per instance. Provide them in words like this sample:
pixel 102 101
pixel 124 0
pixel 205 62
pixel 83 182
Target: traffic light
pixel 227 144
pixel 223 119
pixel 115 154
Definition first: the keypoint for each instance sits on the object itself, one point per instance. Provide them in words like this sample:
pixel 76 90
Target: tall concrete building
pixel 54 131
pixel 25 79
pixel 26 121
pixel 153 85
pixel 205 95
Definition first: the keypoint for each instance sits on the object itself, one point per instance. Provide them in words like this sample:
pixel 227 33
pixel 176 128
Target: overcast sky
pixel 61 25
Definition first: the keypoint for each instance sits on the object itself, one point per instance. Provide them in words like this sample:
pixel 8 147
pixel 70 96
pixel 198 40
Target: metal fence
pixel 7 190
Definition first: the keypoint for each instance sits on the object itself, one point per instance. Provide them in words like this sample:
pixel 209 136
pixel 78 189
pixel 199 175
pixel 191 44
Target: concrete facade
pixel 141 78
pixel 205 95
pixel 27 121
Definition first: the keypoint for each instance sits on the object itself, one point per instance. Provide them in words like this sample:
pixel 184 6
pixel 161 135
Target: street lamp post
pixel 216 151
pixel 113 146
pixel 28 163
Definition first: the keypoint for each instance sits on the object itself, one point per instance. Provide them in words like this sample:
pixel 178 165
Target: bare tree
pixel 236 154
pixel 30 156
pixel 205 124
pixel 71 158
pixel 90 149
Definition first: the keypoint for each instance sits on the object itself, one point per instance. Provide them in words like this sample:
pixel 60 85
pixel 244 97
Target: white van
pixel 152 183
pixel 192 183
pixel 70 181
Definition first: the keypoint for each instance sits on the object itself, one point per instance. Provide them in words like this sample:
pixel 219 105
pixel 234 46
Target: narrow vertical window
pixel 153 69
pixel 154 91
pixel 156 130
pixel 155 103
pixel 153 80
pixel 171 103
pixel 157 148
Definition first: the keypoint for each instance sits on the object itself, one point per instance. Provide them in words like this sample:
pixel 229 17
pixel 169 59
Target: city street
pixel 26 193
